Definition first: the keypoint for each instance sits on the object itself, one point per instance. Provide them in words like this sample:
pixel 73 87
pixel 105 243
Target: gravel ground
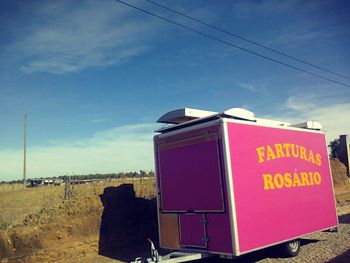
pixel 318 247
pixel 321 246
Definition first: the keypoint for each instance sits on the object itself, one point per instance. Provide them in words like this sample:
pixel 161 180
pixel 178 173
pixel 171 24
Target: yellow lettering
pixel 304 179
pixel 311 178
pixel 270 153
pixel 302 153
pixel 261 155
pixel 317 177
pixel 286 147
pixel 287 180
pixel 311 157
pixel 318 159
pixel 296 180
pixel 278 180
pixel 268 182
pixel 282 150
pixel 295 150
pixel 279 150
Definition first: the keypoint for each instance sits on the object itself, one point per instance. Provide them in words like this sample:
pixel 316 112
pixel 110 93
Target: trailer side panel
pixel 282 184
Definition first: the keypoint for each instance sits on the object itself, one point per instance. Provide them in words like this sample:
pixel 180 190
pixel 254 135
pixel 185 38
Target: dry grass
pixel 16 201
pixel 10 187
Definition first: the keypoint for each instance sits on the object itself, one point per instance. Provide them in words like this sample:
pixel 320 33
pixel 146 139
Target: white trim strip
pixel 230 190
pixel 273 127
pixel 155 151
pixel 331 175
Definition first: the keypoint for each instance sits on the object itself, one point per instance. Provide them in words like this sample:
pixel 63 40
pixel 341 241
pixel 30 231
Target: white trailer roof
pixel 187 116
pixel 183 115
pixel 313 125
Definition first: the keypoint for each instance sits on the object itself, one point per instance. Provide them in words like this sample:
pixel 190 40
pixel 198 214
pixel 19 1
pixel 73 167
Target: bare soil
pixel 107 222
pixel 340 178
pixel 101 223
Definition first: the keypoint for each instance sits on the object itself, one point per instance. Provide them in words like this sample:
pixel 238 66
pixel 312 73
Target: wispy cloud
pixel 299 33
pixel 248 8
pixel 124 148
pixel 249 87
pixel 292 29
pixel 254 88
pixel 333 116
pixel 98 120
pixel 63 37
pixel 323 105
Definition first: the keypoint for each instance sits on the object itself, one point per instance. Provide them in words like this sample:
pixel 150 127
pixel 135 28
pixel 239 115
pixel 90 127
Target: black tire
pixel 291 248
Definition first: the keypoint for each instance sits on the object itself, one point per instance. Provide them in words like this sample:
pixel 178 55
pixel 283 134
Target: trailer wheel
pixel 291 248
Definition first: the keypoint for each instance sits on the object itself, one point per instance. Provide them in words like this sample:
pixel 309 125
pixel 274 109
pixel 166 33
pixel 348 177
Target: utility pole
pixel 25 148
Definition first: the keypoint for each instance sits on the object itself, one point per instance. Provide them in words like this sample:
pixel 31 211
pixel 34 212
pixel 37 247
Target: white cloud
pixel 249 8
pixel 254 88
pixel 301 33
pixel 247 86
pixel 324 104
pixel 124 148
pixel 65 37
pixel 333 115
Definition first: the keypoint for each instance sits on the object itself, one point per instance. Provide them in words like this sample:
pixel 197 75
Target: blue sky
pixel 95 75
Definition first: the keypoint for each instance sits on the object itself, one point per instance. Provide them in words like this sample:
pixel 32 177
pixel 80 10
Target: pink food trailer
pixel 230 183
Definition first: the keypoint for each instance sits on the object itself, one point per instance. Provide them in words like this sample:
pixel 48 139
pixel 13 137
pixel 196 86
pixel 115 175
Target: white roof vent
pixel 312 125
pixel 271 122
pixel 239 113
pixel 183 115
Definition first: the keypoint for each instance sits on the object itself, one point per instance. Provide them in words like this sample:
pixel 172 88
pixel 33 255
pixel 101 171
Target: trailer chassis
pixel 173 257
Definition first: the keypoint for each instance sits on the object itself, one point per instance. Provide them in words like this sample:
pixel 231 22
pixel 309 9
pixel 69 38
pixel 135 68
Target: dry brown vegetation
pixel 106 221
pixel 341 186
pixel 38 225
pixel 17 202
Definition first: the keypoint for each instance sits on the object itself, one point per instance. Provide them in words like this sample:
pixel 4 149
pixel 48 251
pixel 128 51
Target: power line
pixel 230 44
pixel 246 39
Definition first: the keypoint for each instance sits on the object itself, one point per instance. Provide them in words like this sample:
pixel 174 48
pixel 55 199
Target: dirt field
pixel 39 226
pixel 111 221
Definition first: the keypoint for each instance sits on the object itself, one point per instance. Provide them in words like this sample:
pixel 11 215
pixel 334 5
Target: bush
pixel 334 148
